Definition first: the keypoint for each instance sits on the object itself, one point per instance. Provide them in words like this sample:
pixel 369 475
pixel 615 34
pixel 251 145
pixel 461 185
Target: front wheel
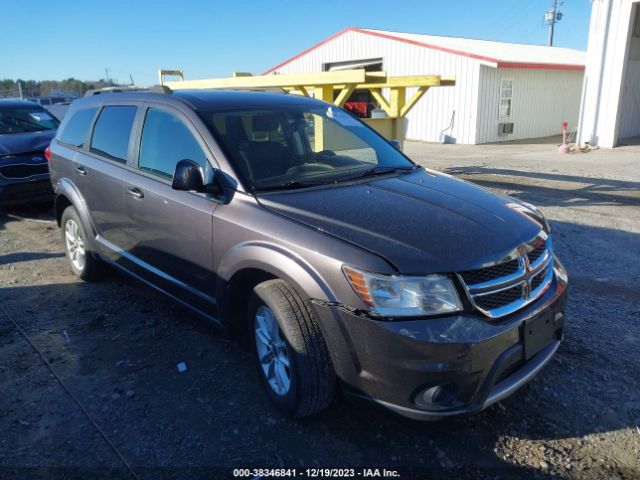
pixel 291 352
pixel 82 262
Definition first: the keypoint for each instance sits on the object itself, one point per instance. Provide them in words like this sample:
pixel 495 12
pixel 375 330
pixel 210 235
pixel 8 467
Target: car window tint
pixel 76 129
pixel 25 118
pixel 165 141
pixel 112 132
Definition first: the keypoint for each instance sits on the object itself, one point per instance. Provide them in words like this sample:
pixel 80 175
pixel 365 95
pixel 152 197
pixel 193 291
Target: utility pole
pixel 551 17
pixel 20 89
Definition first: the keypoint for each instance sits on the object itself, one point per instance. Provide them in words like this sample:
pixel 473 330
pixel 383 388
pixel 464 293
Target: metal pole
pixel 20 89
pixel 552 20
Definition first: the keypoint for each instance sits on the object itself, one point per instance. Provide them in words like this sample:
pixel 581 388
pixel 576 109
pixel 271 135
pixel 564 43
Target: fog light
pixel 437 396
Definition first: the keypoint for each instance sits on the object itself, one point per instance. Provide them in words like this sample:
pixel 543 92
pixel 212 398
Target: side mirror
pixel 187 176
pixel 396 144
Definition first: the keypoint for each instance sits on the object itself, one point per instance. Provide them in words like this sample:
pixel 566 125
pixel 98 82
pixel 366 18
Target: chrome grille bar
pixel 497 295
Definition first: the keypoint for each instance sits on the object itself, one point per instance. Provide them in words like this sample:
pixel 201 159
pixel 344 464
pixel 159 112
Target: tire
pixel 311 376
pixel 75 243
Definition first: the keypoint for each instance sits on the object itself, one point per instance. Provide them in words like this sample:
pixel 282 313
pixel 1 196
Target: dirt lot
pixel 116 344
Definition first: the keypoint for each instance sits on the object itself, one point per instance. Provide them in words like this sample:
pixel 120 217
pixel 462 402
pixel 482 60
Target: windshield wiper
pixel 380 170
pixel 293 184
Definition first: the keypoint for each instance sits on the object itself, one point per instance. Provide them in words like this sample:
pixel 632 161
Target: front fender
pixel 64 187
pixel 279 262
pixel 306 280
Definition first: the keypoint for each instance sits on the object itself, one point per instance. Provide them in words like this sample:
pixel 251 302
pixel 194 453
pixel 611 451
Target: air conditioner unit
pixel 505 128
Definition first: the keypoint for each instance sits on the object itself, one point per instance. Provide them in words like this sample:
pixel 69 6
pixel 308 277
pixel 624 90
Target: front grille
pixel 505 287
pixel 496 300
pixel 537 252
pixel 481 275
pixel 23 170
pixel 538 280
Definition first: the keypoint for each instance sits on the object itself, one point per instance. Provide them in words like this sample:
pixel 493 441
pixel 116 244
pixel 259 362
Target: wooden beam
pixel 324 93
pixel 413 100
pixel 299 90
pixel 410 81
pixel 162 73
pixel 377 94
pixel 285 80
pixel 344 95
pixel 397 101
pixel 303 91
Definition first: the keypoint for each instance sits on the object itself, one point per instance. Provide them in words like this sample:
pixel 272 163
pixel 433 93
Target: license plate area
pixel 537 334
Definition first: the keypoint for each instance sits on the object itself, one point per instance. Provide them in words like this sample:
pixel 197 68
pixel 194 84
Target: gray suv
pixel 291 224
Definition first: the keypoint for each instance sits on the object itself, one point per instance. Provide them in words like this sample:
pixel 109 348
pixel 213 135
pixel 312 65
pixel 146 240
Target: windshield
pixel 295 146
pixel 25 119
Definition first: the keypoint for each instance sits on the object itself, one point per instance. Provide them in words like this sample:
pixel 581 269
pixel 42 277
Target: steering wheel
pixel 325 153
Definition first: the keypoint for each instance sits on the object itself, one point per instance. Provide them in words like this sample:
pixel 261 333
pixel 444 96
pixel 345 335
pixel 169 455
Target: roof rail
pixel 118 89
pixel 128 88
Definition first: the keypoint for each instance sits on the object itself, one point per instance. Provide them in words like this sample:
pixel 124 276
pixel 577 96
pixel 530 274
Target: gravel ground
pixel 115 346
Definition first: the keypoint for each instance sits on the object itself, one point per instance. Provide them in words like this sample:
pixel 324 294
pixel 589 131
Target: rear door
pixel 169 231
pixel 99 171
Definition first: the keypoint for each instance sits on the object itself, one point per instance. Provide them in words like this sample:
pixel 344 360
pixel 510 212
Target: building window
pixel 506 97
pixel 368 64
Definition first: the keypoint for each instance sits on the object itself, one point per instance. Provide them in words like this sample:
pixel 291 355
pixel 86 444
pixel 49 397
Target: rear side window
pixel 77 128
pixel 165 141
pixel 112 132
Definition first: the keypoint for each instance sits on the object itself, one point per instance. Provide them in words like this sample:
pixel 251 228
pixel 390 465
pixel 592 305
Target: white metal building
pixel 610 112
pixel 503 91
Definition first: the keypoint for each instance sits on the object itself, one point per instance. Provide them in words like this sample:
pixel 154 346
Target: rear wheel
pixel 82 262
pixel 291 352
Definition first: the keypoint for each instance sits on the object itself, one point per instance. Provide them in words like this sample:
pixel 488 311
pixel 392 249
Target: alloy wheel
pixel 272 351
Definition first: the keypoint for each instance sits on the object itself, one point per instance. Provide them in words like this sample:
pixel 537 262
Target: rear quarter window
pixel 112 132
pixel 76 129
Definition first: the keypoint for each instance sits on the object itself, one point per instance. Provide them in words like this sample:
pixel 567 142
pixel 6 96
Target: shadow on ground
pixel 116 345
pixel 534 186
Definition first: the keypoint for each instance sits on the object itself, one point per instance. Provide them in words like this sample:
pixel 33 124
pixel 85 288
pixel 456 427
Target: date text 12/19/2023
pixel 315 473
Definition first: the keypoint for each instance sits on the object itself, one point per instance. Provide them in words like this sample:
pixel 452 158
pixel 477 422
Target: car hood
pixel 421 222
pixel 16 143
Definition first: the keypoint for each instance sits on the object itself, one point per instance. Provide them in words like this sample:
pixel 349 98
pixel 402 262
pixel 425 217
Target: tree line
pixel 46 88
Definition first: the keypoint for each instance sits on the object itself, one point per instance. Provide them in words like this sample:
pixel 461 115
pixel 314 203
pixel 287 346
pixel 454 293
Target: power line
pixel 522 15
pixel 509 15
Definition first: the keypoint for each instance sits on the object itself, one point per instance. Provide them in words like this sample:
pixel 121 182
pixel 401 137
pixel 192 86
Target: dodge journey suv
pixel 293 225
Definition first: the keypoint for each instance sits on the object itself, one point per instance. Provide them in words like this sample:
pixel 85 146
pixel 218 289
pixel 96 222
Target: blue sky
pixel 209 38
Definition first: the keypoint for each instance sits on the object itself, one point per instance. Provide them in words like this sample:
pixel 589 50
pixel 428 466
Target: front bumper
pixel 478 361
pixel 20 192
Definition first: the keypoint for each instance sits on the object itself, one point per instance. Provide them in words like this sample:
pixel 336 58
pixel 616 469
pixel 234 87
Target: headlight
pixel 404 296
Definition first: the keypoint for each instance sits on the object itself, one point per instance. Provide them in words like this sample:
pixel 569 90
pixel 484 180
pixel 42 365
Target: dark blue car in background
pixel 26 129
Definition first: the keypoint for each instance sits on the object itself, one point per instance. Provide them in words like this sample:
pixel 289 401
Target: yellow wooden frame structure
pixel 333 87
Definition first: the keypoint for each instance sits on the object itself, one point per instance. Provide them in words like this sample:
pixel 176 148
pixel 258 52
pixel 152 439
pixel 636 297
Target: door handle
pixel 135 192
pixel 81 170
